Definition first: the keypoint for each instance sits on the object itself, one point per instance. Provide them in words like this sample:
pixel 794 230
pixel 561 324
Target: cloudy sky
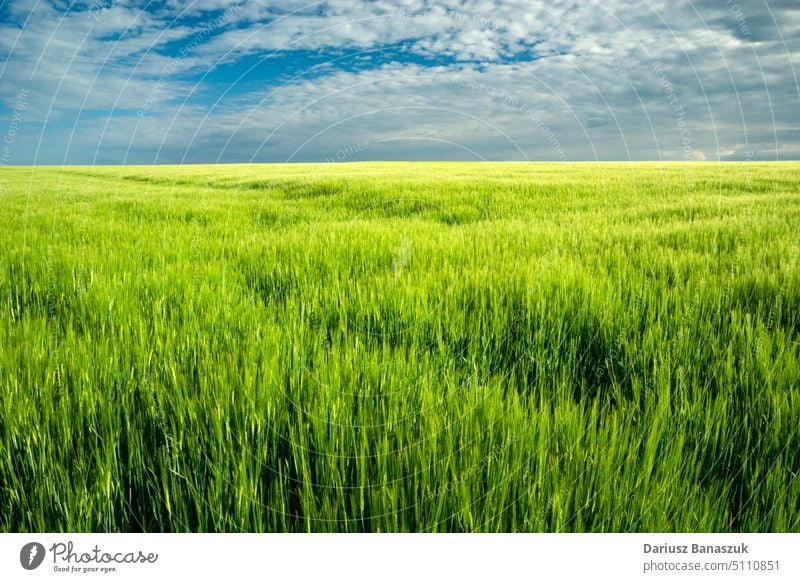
pixel 185 81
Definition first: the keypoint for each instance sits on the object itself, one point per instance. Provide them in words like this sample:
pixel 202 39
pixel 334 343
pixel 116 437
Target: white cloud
pixel 538 79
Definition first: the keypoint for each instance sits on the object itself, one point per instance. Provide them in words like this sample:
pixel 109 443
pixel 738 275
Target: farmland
pixel 400 347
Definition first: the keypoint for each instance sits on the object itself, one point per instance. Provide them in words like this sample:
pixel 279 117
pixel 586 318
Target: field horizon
pixel 401 346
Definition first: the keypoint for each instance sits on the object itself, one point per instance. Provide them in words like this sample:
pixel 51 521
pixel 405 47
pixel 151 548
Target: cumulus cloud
pixel 449 79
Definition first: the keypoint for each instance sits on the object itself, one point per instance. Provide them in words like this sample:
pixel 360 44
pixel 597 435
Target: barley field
pixel 423 347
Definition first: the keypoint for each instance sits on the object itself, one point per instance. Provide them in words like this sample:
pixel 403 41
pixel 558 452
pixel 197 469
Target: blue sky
pixel 115 81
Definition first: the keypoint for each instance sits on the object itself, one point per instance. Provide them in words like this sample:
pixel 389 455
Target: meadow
pixel 372 347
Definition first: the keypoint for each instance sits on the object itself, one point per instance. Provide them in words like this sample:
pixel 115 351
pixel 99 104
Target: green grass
pixel 400 347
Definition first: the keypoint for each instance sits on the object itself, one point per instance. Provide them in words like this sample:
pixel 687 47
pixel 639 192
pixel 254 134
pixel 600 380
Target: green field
pixel 400 347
